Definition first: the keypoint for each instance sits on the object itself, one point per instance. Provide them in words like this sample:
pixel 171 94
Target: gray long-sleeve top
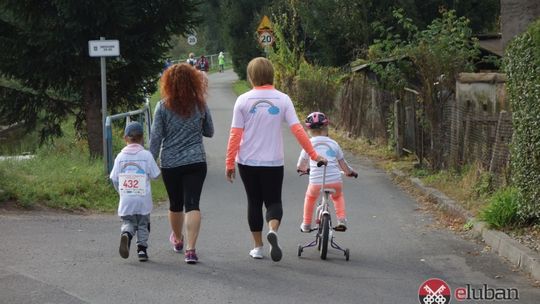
pixel 179 139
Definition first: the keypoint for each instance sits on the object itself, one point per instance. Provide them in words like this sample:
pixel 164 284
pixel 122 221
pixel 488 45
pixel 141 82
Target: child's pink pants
pixel 312 193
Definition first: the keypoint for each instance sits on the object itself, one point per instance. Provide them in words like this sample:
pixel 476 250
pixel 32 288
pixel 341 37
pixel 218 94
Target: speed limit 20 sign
pixel 266 38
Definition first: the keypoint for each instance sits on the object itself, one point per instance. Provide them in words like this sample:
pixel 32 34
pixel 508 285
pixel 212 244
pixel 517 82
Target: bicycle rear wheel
pixel 325 235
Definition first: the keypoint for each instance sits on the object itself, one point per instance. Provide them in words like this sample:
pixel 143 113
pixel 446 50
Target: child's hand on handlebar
pixel 302 172
pixel 353 174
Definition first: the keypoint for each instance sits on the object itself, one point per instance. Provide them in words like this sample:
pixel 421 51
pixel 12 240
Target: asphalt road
pixel 63 258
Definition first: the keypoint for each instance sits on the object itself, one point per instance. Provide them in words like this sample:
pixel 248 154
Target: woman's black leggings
pixel 263 186
pixel 184 186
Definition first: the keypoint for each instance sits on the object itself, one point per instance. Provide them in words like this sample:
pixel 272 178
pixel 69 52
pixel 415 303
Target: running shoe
pixel 125 242
pixel 341 225
pixel 190 256
pixel 141 252
pixel 177 246
pixel 306 228
pixel 275 250
pixel 257 253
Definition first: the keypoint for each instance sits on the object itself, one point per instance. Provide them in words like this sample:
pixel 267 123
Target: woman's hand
pixel 230 174
pixel 321 159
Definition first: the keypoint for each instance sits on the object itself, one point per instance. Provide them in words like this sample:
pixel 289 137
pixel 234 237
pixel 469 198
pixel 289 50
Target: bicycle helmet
pixel 316 120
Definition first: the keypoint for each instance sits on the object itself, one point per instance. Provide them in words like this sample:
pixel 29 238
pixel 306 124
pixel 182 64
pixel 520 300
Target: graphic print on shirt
pixel 329 152
pixel 271 108
pixel 132 179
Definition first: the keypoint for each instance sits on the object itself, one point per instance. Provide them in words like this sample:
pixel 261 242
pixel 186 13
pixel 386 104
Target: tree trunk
pixel 92 110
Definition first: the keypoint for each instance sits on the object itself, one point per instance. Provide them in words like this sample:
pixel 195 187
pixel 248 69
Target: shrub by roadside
pixel 522 64
pixel 502 209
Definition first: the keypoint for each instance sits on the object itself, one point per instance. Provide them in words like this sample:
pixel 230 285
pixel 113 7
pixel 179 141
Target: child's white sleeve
pixel 340 156
pixel 114 174
pixel 153 170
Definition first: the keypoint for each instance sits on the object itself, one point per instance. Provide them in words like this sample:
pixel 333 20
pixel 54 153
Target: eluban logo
pixel 434 291
pixel 486 293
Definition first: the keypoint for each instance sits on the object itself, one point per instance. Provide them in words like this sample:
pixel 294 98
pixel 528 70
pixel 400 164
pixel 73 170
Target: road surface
pixel 63 258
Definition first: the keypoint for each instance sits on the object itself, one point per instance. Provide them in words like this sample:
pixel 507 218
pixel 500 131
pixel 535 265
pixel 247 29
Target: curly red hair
pixel 183 88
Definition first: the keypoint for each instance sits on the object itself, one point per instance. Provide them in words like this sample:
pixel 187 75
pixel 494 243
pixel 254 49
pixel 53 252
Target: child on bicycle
pixel 317 124
pixel 133 168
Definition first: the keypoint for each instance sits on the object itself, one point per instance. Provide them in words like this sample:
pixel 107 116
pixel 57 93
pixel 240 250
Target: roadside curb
pixel 520 256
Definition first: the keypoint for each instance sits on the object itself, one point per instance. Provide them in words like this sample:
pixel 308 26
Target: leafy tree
pixel 213 31
pixel 45 53
pixel 438 53
pixel 240 19
pixel 483 14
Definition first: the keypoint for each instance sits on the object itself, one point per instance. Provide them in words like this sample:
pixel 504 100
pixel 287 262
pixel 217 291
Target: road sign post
pixel 266 34
pixel 104 48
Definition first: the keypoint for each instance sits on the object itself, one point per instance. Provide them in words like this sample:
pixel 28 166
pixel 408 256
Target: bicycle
pixel 325 230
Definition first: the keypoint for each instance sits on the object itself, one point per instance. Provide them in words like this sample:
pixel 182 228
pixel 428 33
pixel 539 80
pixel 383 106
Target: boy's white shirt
pixel 328 148
pixel 137 162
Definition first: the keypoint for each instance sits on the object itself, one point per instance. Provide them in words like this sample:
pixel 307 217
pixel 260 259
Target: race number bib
pixel 132 184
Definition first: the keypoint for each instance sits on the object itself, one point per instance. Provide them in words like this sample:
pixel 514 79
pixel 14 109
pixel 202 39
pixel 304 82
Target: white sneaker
pixel 305 228
pixel 275 250
pixel 256 253
pixel 341 225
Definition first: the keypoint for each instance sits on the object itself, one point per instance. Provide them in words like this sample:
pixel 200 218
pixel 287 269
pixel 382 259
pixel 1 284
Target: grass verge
pixel 63 176
pixel 241 86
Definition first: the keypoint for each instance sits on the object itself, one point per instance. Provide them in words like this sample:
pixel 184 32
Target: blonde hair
pixel 322 131
pixel 260 71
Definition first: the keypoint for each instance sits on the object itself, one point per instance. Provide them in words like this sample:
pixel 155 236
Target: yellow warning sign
pixel 265 25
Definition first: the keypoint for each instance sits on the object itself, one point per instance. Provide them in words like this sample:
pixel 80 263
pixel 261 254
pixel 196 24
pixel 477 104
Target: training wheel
pixel 347 254
pixel 300 249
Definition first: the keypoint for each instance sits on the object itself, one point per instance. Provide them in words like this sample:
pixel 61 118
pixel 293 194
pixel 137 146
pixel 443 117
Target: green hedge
pixel 522 65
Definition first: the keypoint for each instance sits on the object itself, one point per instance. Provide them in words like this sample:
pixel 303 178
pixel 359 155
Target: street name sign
pixel 104 48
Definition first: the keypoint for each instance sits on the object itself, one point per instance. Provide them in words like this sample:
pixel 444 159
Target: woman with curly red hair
pixel 181 119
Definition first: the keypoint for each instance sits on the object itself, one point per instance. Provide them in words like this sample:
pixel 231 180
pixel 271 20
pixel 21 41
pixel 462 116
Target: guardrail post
pixel 146 111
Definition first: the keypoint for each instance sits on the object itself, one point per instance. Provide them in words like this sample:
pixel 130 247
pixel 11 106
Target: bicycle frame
pixel 321 211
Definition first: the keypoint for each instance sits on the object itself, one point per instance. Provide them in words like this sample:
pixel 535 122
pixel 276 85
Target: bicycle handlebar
pixel 302 172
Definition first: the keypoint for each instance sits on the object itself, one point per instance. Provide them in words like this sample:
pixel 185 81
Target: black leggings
pixel 184 186
pixel 263 185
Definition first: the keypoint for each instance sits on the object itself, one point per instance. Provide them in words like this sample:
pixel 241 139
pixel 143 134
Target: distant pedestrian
pixel 221 62
pixel 256 145
pixel 202 64
pixel 181 119
pixel 191 60
pixel 133 168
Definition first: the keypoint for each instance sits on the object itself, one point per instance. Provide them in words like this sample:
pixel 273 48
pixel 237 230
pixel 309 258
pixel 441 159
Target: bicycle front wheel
pixel 325 235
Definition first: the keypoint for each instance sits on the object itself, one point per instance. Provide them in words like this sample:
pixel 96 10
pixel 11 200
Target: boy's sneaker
pixel 191 256
pixel 275 250
pixel 125 242
pixel 306 228
pixel 141 252
pixel 341 225
pixel 176 245
pixel 257 253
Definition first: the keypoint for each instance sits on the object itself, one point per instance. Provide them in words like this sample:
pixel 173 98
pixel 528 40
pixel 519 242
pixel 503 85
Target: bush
pixel 502 210
pixel 316 87
pixel 522 65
